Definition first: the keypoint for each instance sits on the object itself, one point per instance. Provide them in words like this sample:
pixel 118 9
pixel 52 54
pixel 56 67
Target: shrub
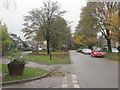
pixel 17 57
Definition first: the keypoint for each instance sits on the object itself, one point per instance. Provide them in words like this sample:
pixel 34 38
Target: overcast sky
pixel 14 17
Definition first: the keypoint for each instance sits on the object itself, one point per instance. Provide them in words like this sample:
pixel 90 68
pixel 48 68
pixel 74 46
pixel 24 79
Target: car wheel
pixel 91 55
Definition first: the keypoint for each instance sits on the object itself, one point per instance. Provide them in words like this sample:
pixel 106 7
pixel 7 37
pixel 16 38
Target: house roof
pixel 15 38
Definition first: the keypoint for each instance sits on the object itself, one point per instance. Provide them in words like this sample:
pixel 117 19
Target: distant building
pixel 18 42
pixel 42 45
pixel 37 45
pixel 32 44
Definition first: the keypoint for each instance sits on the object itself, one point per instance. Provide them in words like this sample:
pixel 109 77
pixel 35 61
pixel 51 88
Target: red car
pixel 97 53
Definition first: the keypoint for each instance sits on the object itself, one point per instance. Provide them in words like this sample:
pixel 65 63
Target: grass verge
pixel 57 52
pixel 112 56
pixel 57 58
pixel 28 73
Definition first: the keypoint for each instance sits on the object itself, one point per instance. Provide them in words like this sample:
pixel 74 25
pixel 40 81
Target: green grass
pixel 60 59
pixel 112 56
pixel 41 52
pixel 0 67
pixel 28 73
pixel 0 72
pixel 59 52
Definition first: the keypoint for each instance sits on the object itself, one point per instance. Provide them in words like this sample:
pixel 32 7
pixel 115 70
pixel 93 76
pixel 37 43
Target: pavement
pixel 83 72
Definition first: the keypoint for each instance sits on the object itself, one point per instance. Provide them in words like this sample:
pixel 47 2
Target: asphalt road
pixel 94 72
pixel 83 72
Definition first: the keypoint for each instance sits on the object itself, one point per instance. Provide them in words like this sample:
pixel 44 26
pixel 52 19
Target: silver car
pixel 87 51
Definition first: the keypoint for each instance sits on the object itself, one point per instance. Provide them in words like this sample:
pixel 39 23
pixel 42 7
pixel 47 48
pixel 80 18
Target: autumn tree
pixel 84 40
pixel 87 19
pixel 113 25
pixel 79 40
pixel 86 26
pixel 41 19
pixel 103 16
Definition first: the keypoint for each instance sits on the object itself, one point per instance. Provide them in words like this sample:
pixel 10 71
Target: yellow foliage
pixel 92 40
pixel 83 40
pixel 79 40
pixel 112 21
pixel 113 25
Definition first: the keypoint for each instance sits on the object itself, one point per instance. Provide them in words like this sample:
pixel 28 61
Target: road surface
pixel 95 72
pixel 83 72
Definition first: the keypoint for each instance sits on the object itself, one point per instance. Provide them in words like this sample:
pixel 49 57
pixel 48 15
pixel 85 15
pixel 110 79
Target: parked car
pixel 97 53
pixel 79 49
pixel 39 48
pixel 82 50
pixel 114 50
pixel 87 51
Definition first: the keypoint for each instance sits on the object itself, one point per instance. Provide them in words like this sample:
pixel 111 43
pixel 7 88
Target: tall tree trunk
pixel 109 45
pixel 108 41
pixel 48 36
pixel 48 50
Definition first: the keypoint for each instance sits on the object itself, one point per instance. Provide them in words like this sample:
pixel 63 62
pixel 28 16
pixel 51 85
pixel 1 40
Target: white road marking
pixel 64 85
pixel 76 86
pixel 74 81
pixel 64 82
pixel 73 76
pixel 64 79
